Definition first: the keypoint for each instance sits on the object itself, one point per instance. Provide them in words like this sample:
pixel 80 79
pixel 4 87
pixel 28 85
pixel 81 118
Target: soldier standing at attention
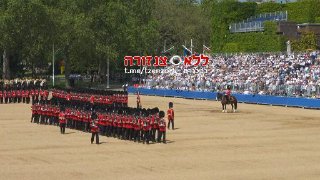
pixel 170 113
pixel 138 100
pixel 94 132
pixel 62 121
pixel 162 128
pixel 1 95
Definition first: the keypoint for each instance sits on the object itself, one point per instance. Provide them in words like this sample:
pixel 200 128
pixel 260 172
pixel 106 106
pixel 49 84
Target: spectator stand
pixel 251 99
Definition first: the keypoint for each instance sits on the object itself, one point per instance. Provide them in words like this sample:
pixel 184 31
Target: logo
pixel 146 62
pixel 162 61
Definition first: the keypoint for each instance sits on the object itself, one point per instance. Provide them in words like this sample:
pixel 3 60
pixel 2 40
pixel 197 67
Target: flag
pixel 168 52
pixel 186 51
pixel 205 48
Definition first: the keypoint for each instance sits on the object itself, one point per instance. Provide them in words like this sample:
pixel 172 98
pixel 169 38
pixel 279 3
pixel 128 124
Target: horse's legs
pixel 222 107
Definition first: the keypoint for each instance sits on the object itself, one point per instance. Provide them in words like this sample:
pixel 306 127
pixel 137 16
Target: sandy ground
pixel 258 142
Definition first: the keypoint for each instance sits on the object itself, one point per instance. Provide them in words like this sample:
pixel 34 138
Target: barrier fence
pixel 255 99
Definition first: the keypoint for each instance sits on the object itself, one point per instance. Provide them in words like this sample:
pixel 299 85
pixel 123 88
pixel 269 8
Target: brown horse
pixel 224 101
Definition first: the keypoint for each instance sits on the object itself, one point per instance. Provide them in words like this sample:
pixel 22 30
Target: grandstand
pixel 255 23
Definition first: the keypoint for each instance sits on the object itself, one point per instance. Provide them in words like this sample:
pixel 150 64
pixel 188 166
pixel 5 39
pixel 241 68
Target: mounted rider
pixel 228 93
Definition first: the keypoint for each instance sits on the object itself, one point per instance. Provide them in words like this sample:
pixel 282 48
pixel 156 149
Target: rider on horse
pixel 228 93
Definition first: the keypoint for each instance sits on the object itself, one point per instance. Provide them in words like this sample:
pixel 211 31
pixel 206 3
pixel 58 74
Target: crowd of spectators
pixel 270 74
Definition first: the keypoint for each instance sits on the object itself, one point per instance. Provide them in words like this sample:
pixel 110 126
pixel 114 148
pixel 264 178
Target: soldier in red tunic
pixel 34 112
pixel 146 127
pixel 94 128
pixel 1 96
pixel 170 113
pixel 27 95
pixel 137 126
pixel 62 121
pixel 101 122
pixel 5 96
pixel 155 124
pixel 138 100
pixel 162 128
pixel 46 94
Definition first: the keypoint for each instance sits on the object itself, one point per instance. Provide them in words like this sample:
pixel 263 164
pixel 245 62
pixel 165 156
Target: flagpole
pixel 108 73
pixel 203 49
pixel 191 47
pixel 53 65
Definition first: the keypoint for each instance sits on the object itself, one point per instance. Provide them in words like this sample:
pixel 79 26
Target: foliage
pixel 88 33
pixel 269 7
pixel 306 42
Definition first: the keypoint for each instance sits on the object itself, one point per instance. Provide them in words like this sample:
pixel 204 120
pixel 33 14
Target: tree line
pixel 85 34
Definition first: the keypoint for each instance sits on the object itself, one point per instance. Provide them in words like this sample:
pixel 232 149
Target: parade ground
pixel 257 142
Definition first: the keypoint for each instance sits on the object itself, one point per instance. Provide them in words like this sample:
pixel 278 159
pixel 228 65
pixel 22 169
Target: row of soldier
pixel 18 90
pixel 23 84
pixel 98 97
pixel 139 125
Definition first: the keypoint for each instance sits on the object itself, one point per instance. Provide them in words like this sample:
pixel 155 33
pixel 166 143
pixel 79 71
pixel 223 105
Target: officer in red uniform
pixel 5 96
pixel 1 96
pixel 94 128
pixel 162 128
pixel 101 123
pixel 155 123
pixel 19 95
pixel 46 94
pixel 146 127
pixel 138 100
pixel 27 95
pixel 119 124
pixel 228 93
pixel 137 126
pixel 62 121
pixel 23 96
pixel 34 112
pixel 170 113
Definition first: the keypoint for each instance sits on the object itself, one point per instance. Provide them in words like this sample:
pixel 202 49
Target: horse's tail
pixel 235 104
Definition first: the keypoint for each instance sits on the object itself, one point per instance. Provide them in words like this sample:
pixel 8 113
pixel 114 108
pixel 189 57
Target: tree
pixel 25 29
pixel 306 42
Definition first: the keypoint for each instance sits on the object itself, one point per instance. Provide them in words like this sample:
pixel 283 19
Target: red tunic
pixel 62 119
pixel 137 125
pixel 170 113
pixel 92 99
pixel 46 93
pixel 94 128
pixel 162 125
pixel 34 109
pixel 100 119
pixel 228 92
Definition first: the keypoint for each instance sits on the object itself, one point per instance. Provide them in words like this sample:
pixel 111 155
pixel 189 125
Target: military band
pixel 23 90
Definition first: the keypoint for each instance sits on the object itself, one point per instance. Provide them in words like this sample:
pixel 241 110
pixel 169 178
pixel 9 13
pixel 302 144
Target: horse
pixel 224 101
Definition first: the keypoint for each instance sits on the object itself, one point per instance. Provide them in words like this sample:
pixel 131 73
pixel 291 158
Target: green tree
pixel 26 29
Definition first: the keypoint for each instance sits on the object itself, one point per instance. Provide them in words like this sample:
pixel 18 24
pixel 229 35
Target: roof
pixel 309 24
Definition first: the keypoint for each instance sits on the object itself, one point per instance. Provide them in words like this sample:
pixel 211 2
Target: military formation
pixel 96 97
pixel 103 113
pixel 23 90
